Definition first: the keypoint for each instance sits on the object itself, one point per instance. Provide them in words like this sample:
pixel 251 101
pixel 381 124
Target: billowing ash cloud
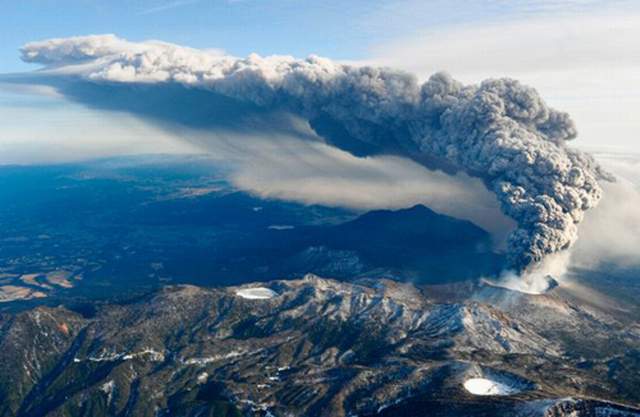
pixel 500 130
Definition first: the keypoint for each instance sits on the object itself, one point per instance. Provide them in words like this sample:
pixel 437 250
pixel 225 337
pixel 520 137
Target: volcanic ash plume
pixel 500 130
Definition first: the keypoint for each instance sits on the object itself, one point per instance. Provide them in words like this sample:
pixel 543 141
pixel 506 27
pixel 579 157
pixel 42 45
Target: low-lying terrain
pixel 112 228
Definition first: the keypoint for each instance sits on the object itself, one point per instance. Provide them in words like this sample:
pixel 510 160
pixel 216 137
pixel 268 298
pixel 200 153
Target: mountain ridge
pixel 318 347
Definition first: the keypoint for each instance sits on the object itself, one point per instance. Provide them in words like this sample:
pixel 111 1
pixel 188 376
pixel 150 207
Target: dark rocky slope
pixel 318 348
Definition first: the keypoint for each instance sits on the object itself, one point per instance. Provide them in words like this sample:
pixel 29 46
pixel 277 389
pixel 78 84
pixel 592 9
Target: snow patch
pixel 209 359
pixel 108 388
pixel 256 293
pixel 202 378
pixel 149 354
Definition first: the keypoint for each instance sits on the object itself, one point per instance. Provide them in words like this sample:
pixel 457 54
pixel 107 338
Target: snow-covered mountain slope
pixel 313 347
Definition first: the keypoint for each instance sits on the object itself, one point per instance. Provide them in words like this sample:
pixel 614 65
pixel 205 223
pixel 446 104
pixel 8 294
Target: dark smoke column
pixel 504 132
pixel 500 130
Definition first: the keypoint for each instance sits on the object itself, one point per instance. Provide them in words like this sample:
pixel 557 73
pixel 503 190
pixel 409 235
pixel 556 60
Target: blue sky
pixel 581 54
pixel 337 29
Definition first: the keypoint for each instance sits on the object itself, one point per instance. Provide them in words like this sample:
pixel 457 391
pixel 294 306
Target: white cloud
pixel 516 47
pixel 45 129
pixel 611 232
pixel 29 89
pixel 167 5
